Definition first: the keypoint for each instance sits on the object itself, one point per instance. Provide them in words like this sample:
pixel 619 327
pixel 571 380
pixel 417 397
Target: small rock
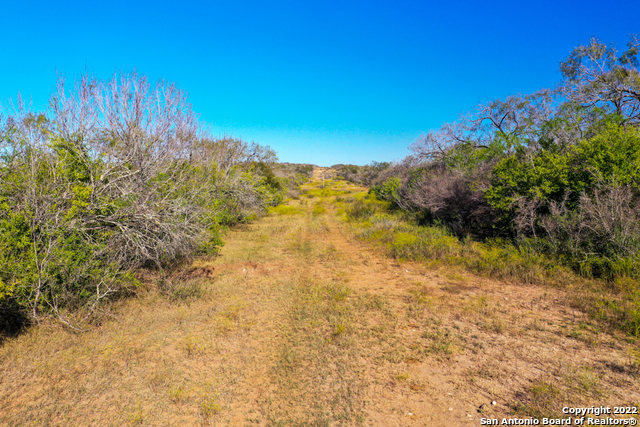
pixel 494 402
pixel 451 409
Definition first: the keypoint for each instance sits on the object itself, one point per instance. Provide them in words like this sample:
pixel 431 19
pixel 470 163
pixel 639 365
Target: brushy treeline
pixel 294 174
pixel 556 172
pixel 115 176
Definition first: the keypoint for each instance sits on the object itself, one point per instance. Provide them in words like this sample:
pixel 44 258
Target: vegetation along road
pixel 306 317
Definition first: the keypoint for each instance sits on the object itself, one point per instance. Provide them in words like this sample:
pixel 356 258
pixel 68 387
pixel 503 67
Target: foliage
pixel 583 200
pixel 360 210
pixel 364 175
pixel 451 197
pixel 318 209
pixel 116 176
pixel 554 172
pixel 388 190
pixel 292 175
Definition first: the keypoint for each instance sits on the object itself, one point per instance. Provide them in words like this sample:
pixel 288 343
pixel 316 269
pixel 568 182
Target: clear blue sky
pixel 321 82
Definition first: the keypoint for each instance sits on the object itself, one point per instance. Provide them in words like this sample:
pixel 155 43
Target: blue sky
pixel 321 82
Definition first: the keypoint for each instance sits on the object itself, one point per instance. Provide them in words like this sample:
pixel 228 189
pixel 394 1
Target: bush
pixel 388 190
pixel 582 204
pixel 90 191
pixel 360 210
pixel 452 198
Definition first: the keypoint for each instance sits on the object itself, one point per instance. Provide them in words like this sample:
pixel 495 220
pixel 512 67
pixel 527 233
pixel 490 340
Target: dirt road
pixel 298 322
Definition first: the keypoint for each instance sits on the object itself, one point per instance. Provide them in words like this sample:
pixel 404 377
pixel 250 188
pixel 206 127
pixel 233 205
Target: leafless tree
pixel 226 153
pixel 596 75
pixel 515 120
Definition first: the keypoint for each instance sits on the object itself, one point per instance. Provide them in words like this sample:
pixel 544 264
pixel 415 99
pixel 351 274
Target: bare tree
pixel 596 75
pixel 515 120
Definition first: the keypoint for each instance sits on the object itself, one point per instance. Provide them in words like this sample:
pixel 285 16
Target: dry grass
pixel 299 323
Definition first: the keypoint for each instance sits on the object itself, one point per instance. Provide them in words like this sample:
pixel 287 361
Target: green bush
pixel 87 199
pixel 583 203
pixel 388 190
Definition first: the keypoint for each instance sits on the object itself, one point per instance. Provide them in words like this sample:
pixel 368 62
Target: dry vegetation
pixel 299 322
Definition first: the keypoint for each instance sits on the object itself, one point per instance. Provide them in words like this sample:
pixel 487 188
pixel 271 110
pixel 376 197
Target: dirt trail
pixel 298 322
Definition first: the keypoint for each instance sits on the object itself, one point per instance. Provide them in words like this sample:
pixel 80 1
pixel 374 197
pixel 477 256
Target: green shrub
pixel 388 190
pixel 86 198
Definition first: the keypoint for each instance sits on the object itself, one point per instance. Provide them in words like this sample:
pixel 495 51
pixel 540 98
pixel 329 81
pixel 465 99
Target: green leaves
pixel 613 154
pixel 108 184
pixel 546 176
pixel 388 190
pixel 551 175
pixel 583 200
